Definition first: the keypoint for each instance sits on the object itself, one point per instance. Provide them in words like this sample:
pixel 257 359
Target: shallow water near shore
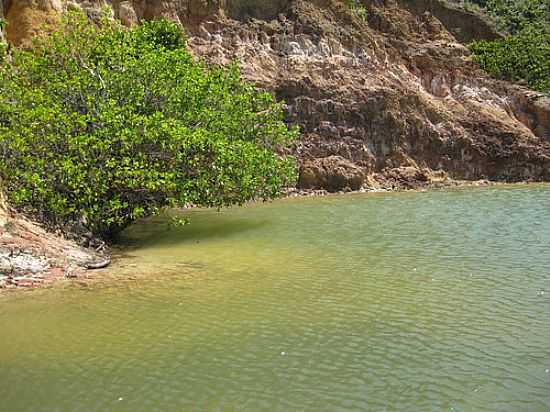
pixel 436 301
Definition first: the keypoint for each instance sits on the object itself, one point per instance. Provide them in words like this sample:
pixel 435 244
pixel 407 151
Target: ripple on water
pixel 415 301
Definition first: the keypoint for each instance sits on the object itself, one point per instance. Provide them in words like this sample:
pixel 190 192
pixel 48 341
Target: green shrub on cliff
pixel 525 56
pixel 104 125
pixel 513 16
pixel 525 53
pixel 358 8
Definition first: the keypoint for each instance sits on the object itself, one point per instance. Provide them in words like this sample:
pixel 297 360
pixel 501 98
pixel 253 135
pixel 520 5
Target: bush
pixel 515 15
pixel 525 56
pixel 105 125
pixel 525 53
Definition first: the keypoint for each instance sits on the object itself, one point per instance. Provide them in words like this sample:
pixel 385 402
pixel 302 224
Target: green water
pixel 384 302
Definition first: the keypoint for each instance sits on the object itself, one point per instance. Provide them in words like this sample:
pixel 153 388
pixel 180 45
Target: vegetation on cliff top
pixel 525 53
pixel 513 16
pixel 357 8
pixel 105 125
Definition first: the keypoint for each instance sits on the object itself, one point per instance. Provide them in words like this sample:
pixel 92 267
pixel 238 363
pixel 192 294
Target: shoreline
pixel 32 257
pixel 431 186
pixel 40 259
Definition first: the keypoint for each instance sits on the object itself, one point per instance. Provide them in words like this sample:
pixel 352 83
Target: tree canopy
pixel 104 125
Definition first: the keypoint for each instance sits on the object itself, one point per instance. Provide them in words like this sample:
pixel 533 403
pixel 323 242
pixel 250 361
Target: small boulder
pixel 333 173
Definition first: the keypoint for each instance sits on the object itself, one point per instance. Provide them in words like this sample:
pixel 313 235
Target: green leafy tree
pixel 104 125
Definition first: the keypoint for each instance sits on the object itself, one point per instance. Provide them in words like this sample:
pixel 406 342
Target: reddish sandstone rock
pixel 30 256
pixel 333 173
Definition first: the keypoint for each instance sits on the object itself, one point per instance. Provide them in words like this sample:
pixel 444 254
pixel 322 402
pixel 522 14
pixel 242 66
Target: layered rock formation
pixel 396 91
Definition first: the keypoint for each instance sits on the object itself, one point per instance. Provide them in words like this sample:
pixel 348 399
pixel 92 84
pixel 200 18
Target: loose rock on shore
pixel 32 257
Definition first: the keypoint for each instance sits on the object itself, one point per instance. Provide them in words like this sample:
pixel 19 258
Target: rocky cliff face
pixel 391 101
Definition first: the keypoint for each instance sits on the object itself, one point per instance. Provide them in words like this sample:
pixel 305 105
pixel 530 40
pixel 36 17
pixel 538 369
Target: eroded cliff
pixel 393 100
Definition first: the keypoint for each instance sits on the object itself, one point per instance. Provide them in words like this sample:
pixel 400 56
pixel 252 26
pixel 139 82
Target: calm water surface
pixel 388 302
